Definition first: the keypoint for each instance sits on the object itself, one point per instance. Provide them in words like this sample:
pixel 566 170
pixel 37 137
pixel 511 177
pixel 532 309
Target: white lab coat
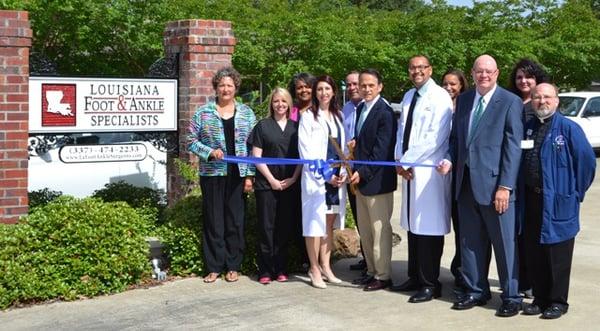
pixel 312 145
pixel 428 143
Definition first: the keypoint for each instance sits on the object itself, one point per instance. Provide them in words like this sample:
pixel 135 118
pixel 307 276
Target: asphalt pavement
pixel 189 304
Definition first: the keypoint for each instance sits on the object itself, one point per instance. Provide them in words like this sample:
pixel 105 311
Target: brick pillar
pixel 15 41
pixel 204 46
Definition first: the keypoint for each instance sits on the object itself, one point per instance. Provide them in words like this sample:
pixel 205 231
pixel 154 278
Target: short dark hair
pixel 307 78
pixel 418 56
pixel 531 69
pixel 372 72
pixel 464 84
pixel 227 72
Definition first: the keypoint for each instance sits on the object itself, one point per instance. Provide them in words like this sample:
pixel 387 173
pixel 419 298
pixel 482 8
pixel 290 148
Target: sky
pixel 468 3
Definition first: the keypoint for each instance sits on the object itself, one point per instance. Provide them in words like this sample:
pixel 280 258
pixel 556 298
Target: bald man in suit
pixel 485 149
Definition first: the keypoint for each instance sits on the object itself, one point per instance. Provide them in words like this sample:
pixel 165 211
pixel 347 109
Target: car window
pixel 570 106
pixel 592 109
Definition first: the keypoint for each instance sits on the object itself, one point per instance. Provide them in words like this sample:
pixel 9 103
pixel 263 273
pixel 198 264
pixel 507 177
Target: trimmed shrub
pixel 72 248
pixel 144 198
pixel 182 237
pixel 42 197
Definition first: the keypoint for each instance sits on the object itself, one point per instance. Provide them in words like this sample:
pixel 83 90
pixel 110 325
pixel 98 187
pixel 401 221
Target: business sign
pixel 102 153
pixel 68 105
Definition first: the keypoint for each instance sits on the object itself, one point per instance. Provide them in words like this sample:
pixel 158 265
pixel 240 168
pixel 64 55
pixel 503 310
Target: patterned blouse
pixel 206 134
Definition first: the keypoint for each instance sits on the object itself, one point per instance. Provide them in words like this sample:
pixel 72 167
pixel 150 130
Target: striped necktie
pixel 476 118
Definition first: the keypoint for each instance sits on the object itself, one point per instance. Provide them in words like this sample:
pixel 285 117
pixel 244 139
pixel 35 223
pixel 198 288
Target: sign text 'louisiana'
pixel 68 104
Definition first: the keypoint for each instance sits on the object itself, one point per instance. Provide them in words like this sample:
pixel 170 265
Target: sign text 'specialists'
pixel 62 104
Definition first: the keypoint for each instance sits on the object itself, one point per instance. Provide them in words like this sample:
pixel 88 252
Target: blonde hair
pixel 286 97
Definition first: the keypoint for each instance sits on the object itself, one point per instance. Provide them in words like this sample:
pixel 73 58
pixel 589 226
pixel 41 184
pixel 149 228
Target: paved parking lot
pixel 191 304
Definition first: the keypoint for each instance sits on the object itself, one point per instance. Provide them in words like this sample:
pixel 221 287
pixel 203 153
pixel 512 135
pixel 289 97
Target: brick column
pixel 204 46
pixel 15 41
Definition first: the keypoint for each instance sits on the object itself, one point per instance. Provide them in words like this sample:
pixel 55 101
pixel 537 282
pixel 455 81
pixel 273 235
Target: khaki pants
pixel 374 214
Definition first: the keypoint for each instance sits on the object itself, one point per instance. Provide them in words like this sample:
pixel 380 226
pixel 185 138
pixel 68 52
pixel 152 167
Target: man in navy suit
pixel 485 149
pixel 374 140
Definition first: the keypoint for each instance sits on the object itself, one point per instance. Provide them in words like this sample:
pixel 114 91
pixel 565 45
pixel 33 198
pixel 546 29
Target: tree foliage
pixel 277 38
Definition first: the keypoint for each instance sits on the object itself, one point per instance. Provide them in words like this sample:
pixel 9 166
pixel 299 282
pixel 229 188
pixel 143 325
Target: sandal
pixel 232 276
pixel 211 277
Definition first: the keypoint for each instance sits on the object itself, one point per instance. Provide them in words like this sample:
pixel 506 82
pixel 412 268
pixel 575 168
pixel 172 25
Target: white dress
pixel 312 145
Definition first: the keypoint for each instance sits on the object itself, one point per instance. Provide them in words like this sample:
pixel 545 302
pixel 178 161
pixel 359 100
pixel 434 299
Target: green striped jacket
pixel 206 134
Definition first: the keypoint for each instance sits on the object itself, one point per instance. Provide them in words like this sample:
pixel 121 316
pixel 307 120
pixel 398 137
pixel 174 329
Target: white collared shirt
pixel 486 101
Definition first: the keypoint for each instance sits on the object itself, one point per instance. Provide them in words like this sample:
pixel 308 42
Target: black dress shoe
pixel 553 312
pixel 426 294
pixel 360 265
pixel 468 302
pixel 508 309
pixel 532 309
pixel 364 280
pixel 409 285
pixel 377 284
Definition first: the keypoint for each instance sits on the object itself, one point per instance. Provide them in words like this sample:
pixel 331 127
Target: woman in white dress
pixel 323 203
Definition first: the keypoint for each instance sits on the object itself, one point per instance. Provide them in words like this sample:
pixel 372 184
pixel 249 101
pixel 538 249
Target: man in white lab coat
pixel 423 137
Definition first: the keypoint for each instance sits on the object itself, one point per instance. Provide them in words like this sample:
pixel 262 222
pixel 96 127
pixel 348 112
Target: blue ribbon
pixel 319 166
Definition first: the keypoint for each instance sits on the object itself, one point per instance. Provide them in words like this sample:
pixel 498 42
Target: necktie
pixel 476 118
pixel 409 120
pixel 361 118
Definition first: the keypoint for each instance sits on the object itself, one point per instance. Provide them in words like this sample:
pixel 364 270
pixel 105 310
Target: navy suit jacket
pixel 495 149
pixel 376 142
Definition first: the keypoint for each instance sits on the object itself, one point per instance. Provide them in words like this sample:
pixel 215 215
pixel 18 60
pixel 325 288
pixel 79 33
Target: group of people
pixel 506 167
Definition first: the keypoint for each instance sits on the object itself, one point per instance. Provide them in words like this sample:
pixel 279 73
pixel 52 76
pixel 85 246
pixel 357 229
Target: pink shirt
pixel 294 114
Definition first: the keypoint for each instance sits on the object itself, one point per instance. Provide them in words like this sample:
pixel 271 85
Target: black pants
pixel 549 264
pixel 275 215
pixel 223 218
pixel 424 256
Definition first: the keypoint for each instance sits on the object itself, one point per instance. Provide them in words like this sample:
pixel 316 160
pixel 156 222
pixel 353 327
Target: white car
pixel 93 160
pixel 584 109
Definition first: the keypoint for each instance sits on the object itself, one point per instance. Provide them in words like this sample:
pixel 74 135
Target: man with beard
pixel 558 167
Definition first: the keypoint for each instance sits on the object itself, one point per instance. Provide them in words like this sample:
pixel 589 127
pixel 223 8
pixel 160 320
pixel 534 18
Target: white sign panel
pixel 102 153
pixel 67 104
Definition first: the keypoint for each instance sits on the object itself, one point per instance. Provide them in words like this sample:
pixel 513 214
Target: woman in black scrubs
pixel 275 187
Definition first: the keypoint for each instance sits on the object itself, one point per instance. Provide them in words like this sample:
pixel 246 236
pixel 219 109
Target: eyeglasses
pixel 418 68
pixel 539 97
pixel 487 72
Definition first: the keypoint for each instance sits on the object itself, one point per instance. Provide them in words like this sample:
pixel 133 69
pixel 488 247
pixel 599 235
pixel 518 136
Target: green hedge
pixel 73 248
pixel 182 237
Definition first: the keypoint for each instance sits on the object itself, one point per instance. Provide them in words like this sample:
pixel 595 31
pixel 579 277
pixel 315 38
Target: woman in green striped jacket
pixel 217 129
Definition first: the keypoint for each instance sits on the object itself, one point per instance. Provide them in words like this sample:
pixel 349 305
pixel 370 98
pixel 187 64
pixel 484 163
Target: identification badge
pixel 527 144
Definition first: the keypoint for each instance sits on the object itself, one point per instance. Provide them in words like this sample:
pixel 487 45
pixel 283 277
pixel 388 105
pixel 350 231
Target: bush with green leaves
pixel 143 198
pixel 72 248
pixel 181 236
pixel 42 197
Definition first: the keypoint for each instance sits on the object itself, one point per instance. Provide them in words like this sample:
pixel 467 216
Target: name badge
pixel 527 144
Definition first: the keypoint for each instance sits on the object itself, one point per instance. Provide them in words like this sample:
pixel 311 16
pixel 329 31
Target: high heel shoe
pixel 331 278
pixel 318 283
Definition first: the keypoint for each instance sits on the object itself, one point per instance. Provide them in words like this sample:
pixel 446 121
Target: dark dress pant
pixel 480 225
pixel 455 265
pixel 549 264
pixel 275 220
pixel 223 219
pixel 424 257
